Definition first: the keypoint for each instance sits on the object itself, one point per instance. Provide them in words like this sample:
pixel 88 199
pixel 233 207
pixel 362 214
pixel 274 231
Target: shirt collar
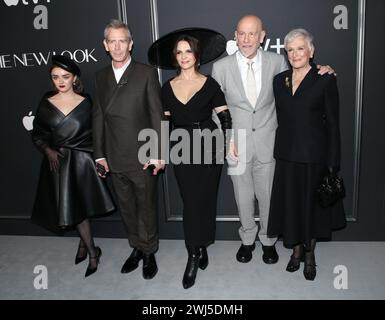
pixel 124 66
pixel 241 58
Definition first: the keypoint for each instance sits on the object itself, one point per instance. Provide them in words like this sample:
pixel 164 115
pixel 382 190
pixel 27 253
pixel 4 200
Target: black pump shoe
pixel 203 258
pixel 294 263
pixel 309 270
pixel 79 258
pixel 89 270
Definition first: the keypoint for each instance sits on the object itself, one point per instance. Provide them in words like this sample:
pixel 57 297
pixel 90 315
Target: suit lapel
pixel 124 80
pixel 238 78
pixel 109 83
pixel 307 82
pixel 127 74
pixel 265 70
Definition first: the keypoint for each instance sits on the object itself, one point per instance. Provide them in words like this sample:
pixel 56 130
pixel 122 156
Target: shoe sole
pixel 292 270
pixel 129 270
pixel 269 261
pixel 150 276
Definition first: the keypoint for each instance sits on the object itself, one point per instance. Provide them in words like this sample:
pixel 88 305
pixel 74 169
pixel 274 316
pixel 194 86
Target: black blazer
pixel 308 122
pixel 136 106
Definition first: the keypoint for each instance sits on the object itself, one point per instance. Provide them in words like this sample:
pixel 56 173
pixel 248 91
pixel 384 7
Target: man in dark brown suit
pixel 128 100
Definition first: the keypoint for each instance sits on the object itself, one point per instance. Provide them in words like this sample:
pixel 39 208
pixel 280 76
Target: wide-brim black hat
pixel 212 45
pixel 66 64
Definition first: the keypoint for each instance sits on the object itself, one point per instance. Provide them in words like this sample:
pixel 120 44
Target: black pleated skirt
pixel 294 210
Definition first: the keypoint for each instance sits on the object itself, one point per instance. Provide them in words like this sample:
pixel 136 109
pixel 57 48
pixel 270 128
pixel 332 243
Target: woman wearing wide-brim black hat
pixel 189 99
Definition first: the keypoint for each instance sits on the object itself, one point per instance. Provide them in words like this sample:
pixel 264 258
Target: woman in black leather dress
pixel 69 189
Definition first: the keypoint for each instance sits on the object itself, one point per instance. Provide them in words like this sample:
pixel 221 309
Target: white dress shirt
pixel 118 72
pixel 257 68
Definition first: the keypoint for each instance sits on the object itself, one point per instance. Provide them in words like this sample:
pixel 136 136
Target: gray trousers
pixel 255 183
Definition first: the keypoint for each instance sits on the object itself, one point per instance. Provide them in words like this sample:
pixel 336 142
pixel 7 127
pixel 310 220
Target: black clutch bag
pixel 331 190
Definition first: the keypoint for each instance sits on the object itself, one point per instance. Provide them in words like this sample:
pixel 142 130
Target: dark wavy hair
pixel 195 48
pixel 77 85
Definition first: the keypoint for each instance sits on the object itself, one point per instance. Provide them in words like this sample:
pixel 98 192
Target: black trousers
pixel 136 193
pixel 198 185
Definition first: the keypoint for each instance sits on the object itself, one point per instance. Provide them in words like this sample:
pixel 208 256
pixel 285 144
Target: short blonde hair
pixel 296 33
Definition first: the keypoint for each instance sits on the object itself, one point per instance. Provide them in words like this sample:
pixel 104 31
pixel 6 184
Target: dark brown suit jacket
pixel 136 105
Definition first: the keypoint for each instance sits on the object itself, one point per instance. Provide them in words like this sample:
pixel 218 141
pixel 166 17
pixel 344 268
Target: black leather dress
pixel 75 192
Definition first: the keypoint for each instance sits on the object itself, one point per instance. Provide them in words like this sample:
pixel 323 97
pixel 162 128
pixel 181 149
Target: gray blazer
pixel 259 122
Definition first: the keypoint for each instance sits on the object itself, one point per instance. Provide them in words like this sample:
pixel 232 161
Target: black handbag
pixel 331 190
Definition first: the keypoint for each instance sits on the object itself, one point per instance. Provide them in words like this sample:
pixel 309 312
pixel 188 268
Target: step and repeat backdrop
pixel 34 30
pixel 334 26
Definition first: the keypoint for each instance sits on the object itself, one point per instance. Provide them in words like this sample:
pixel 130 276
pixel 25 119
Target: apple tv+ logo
pixel 28 121
pixel 41 19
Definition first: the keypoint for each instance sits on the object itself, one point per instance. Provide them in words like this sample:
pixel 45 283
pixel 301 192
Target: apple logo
pixel 11 2
pixel 231 47
pixel 28 121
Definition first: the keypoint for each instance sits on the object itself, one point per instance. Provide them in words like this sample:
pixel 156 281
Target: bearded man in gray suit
pixel 246 78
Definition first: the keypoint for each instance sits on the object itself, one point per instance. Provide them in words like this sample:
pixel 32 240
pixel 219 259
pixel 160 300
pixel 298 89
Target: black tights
pixel 299 249
pixel 86 241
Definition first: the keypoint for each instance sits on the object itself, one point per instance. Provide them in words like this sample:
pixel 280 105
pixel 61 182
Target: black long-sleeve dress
pixel 198 182
pixel 74 192
pixel 307 142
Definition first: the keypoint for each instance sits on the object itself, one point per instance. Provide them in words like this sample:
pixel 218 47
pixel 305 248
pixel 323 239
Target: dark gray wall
pixel 69 30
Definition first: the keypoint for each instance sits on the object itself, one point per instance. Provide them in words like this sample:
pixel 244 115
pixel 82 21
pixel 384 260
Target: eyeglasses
pixel 251 35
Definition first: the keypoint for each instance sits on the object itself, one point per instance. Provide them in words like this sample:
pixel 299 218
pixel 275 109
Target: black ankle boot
pixel 191 268
pixel 203 258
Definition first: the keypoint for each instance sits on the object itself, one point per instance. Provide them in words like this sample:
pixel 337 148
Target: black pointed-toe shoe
pixel 150 267
pixel 132 262
pixel 309 270
pixel 89 270
pixel 270 255
pixel 203 258
pixel 244 253
pixel 79 258
pixel 294 263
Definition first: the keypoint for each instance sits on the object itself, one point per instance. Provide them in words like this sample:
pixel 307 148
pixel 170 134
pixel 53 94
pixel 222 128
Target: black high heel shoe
pixel 295 262
pixel 89 270
pixel 203 258
pixel 309 270
pixel 79 258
